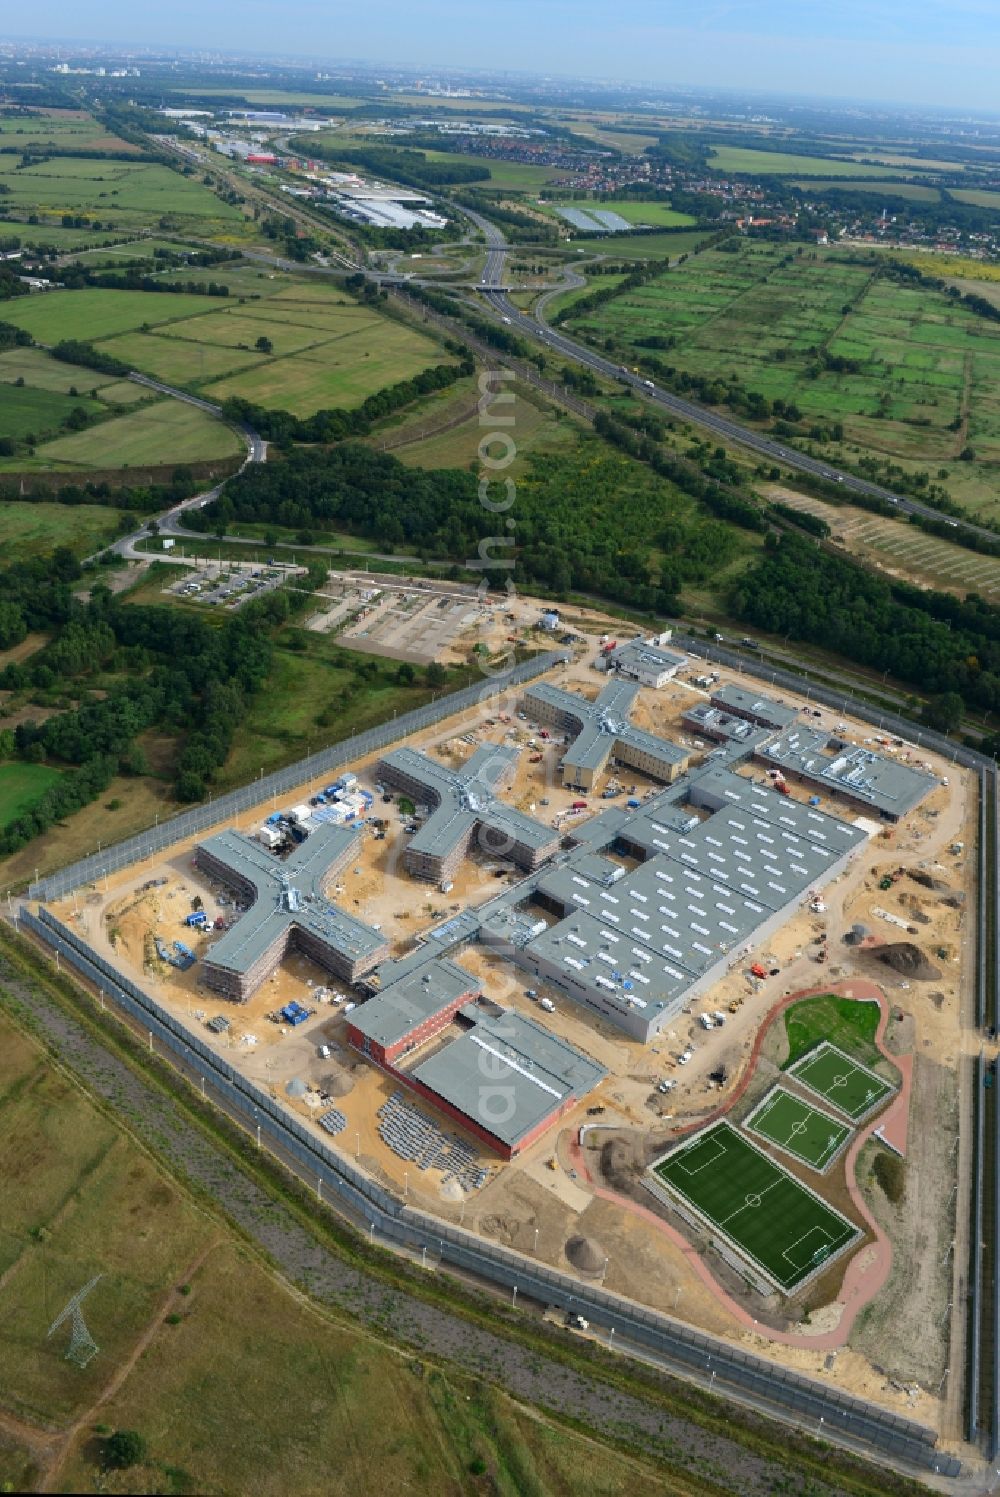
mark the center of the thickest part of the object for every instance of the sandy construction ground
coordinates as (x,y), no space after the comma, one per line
(542,1201)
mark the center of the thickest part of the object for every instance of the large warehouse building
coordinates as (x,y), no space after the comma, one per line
(863,778)
(288,911)
(499,1074)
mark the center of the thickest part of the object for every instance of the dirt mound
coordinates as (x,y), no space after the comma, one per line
(908,960)
(337,1084)
(586,1255)
(620,1165)
(928,881)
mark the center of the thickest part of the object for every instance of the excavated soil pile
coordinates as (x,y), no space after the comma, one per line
(928,881)
(620,1165)
(586,1255)
(337,1084)
(908,960)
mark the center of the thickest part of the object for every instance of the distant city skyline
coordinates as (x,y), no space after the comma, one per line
(942,53)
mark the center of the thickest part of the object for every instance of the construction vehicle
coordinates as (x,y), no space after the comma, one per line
(551,1164)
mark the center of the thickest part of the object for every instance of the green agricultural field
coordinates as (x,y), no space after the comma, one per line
(25,412)
(913,191)
(333,370)
(808,1134)
(165,431)
(125,193)
(910,376)
(54,236)
(177,360)
(69,129)
(94,314)
(743,159)
(28,529)
(619,247)
(766,1214)
(21,785)
(847,1085)
(983,199)
(515,176)
(40,370)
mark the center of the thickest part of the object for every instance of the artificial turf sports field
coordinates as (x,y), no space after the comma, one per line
(849,1087)
(767,1215)
(805,1132)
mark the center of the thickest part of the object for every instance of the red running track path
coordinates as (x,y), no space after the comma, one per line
(868,1270)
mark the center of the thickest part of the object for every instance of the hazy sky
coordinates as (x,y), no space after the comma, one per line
(917,51)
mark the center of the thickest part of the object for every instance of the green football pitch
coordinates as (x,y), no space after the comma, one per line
(848,1086)
(768,1216)
(805,1132)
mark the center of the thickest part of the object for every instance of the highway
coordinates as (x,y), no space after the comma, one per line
(495,295)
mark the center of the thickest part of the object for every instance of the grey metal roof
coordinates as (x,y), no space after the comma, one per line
(637,655)
(508,1074)
(288,894)
(466,796)
(418,994)
(885,784)
(604,724)
(713,722)
(704,889)
(769,712)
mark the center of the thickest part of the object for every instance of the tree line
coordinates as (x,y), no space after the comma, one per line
(933,641)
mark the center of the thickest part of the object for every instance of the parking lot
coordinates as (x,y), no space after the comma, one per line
(229,584)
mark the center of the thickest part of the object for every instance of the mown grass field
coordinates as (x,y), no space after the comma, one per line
(21,785)
(325,350)
(123,194)
(336,373)
(846,1023)
(915,192)
(165,431)
(28,529)
(923,384)
(41,372)
(26,411)
(782,163)
(94,314)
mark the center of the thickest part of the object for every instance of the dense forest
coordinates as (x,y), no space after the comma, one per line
(938,643)
(588,520)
